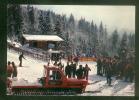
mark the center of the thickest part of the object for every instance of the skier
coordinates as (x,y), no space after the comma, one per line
(20,59)
(15,70)
(86,71)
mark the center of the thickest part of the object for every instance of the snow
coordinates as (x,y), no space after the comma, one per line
(33,69)
(15,44)
(43,37)
(23,82)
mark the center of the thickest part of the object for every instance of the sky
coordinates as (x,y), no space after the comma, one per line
(113,17)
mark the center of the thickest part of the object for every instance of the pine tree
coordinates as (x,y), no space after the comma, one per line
(101,31)
(14,20)
(123,47)
(58,27)
(93,34)
(10,20)
(105,42)
(115,38)
(131,46)
(67,44)
(42,24)
(31,18)
(131,42)
(101,37)
(64,23)
(81,25)
(47,23)
(71,23)
(96,42)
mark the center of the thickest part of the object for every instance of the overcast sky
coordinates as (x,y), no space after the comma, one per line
(115,17)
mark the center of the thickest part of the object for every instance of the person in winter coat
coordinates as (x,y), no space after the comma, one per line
(86,71)
(79,72)
(74,70)
(76,60)
(99,65)
(61,66)
(15,70)
(104,65)
(108,72)
(20,59)
(10,69)
(67,70)
(129,72)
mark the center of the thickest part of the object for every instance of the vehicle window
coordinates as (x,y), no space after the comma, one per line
(54,75)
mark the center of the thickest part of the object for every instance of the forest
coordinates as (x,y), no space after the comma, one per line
(81,37)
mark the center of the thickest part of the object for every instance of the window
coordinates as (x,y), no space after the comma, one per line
(54,75)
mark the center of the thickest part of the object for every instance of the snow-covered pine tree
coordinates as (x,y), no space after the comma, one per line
(101,37)
(93,35)
(30,12)
(41,23)
(115,39)
(15,20)
(64,23)
(67,44)
(57,28)
(81,24)
(123,47)
(105,42)
(96,43)
(71,23)
(10,20)
(131,40)
(47,23)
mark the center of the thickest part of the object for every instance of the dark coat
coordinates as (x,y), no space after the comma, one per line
(80,73)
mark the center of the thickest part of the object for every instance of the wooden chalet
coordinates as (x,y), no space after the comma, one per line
(44,42)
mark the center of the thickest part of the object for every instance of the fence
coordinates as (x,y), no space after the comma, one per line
(87,59)
(35,55)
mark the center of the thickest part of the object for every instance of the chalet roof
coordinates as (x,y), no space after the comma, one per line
(42,37)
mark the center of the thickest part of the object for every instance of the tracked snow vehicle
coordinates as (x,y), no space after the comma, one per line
(54,82)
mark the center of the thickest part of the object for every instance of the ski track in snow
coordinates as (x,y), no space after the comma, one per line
(33,69)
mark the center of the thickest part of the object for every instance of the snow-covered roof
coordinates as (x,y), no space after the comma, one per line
(53,51)
(42,37)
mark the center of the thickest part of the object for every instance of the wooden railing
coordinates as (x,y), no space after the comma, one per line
(35,55)
(87,59)
(40,55)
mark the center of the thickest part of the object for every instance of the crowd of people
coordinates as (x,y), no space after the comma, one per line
(11,70)
(106,66)
(71,70)
(122,69)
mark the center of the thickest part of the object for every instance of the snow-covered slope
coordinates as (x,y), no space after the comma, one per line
(33,69)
